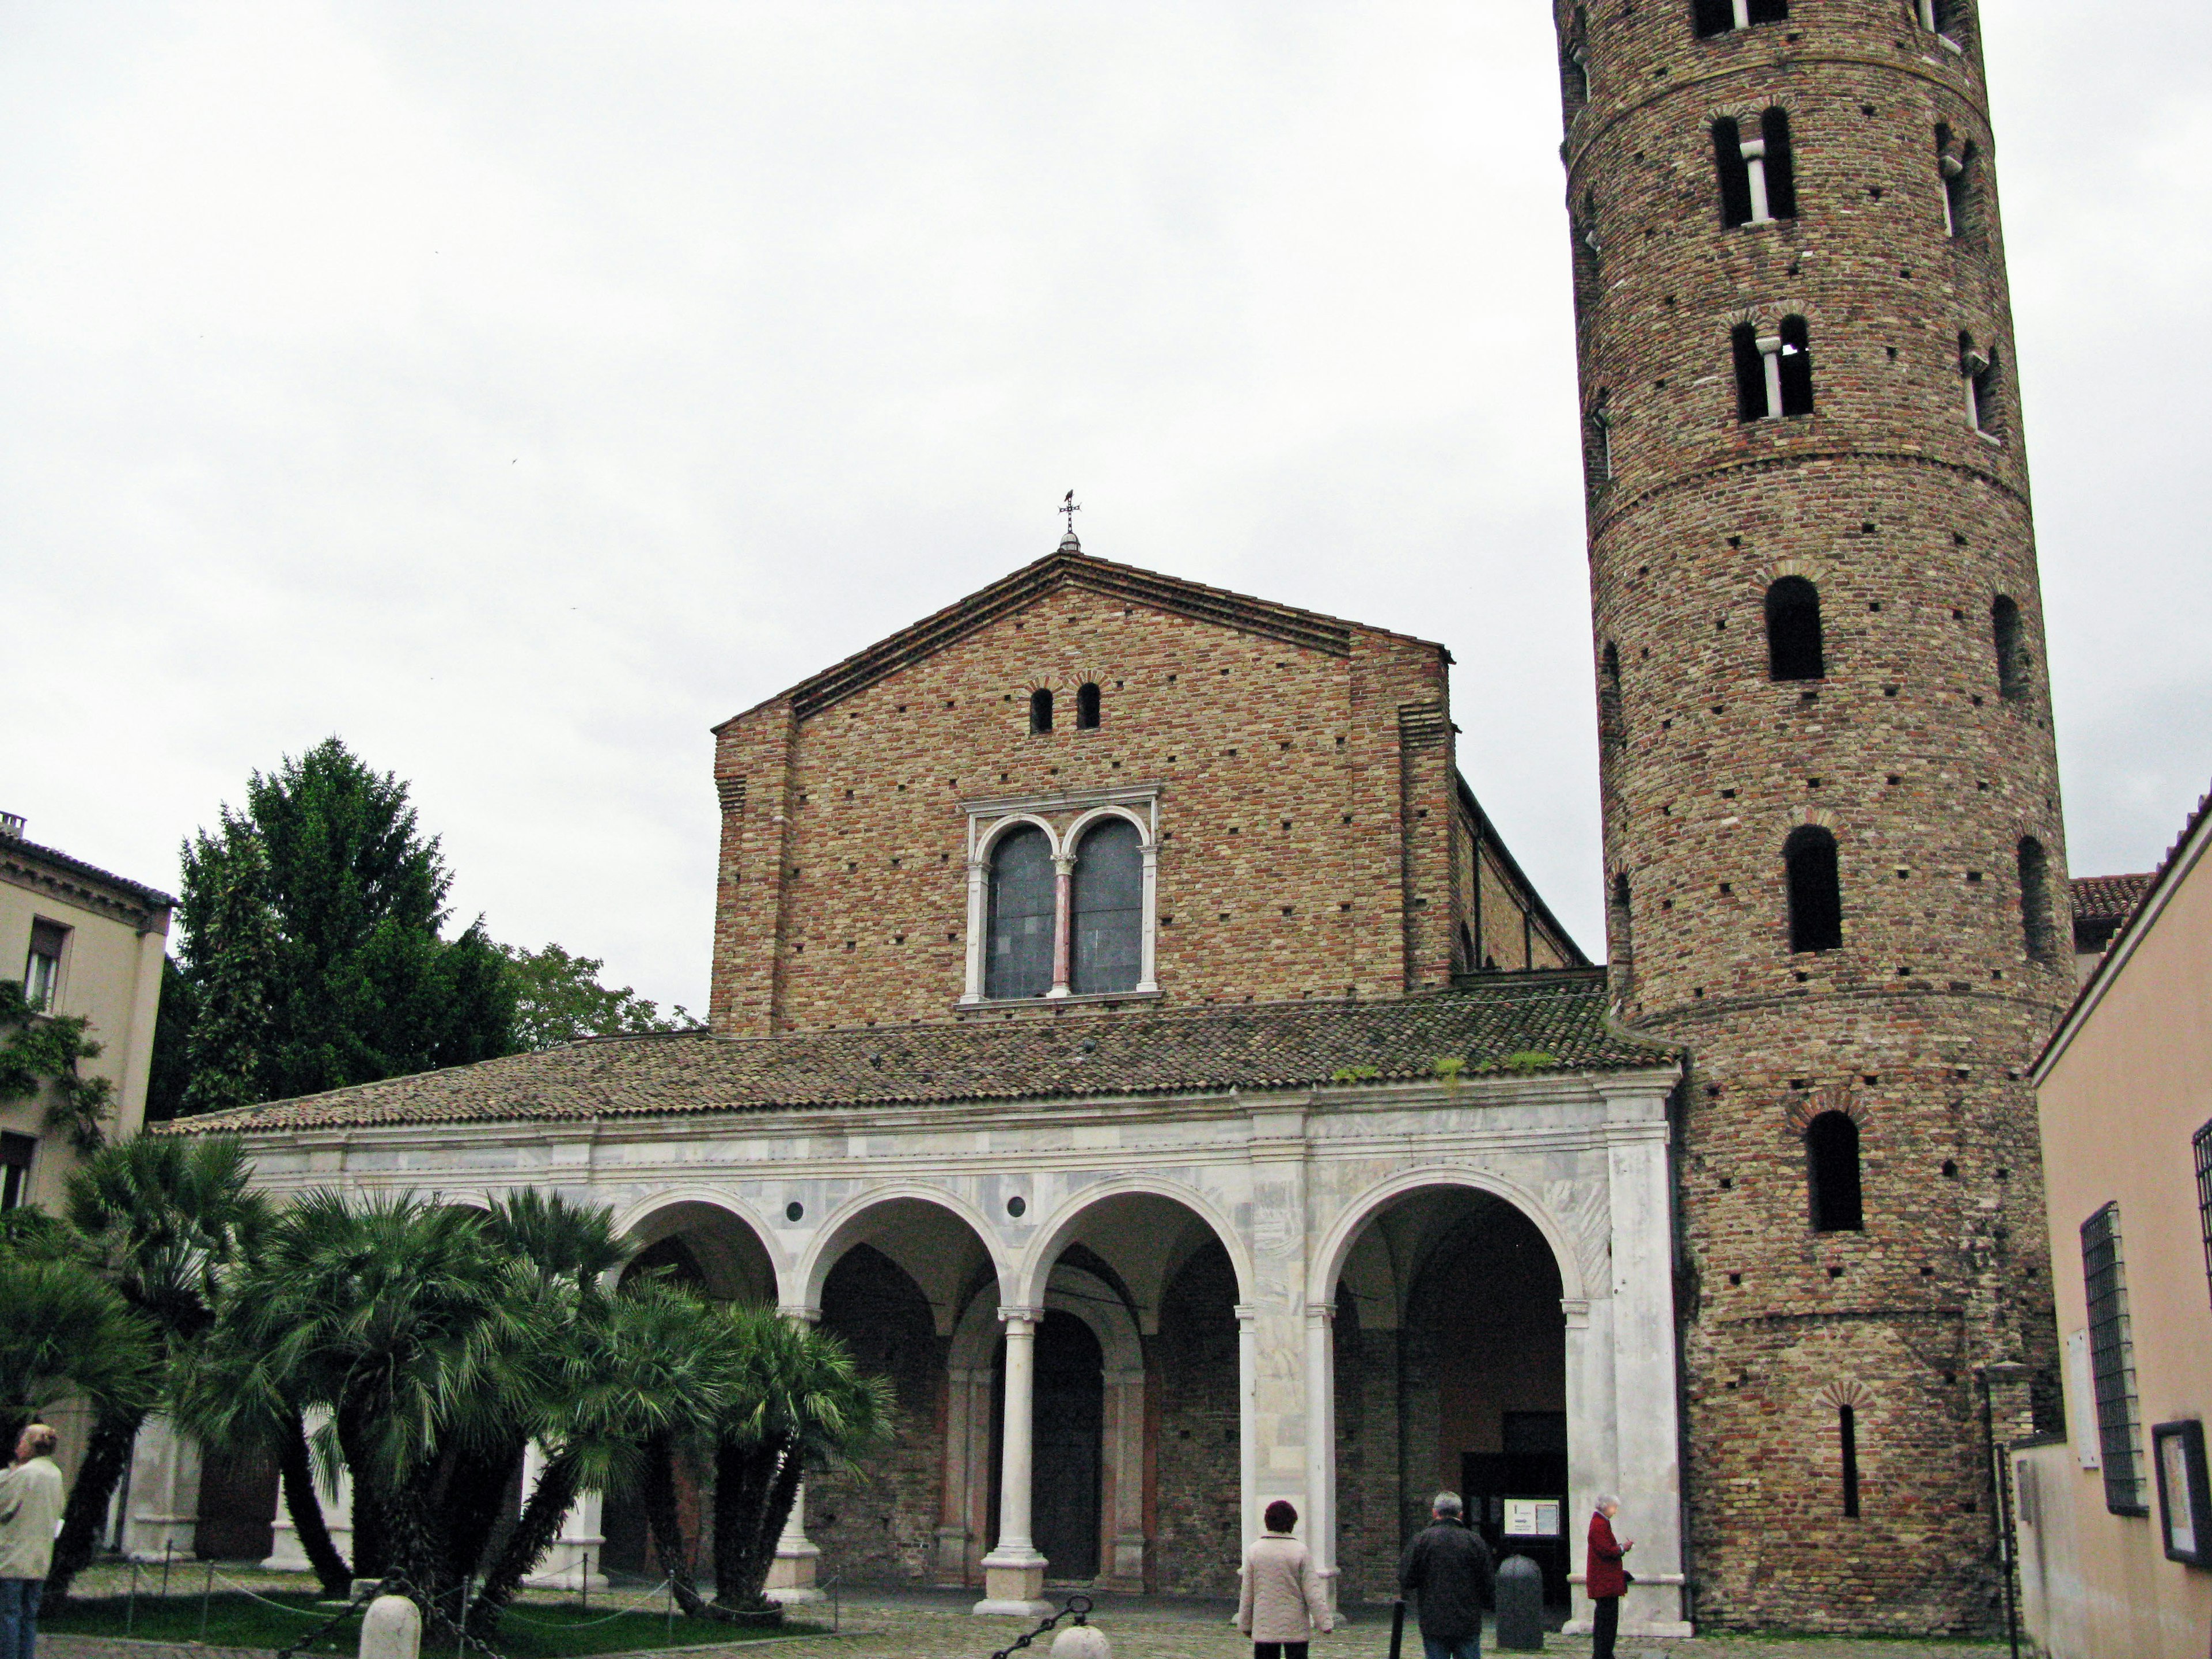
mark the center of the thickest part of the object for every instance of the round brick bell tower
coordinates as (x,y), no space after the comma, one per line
(1832,819)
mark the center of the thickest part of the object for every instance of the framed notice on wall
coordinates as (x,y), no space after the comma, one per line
(2185,1499)
(1533,1517)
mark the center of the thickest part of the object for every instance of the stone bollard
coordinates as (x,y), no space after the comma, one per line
(1520,1606)
(1082,1642)
(392,1629)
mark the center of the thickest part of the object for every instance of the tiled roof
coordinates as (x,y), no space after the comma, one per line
(2108,898)
(14,848)
(1543,1022)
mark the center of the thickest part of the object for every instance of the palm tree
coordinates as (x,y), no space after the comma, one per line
(162,1219)
(62,1332)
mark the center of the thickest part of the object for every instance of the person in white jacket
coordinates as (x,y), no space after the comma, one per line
(1283,1601)
(30,1514)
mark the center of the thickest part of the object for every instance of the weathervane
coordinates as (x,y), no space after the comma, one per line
(1071,508)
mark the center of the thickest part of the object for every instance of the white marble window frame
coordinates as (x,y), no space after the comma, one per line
(1063,818)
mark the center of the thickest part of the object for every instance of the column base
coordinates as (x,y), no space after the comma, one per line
(791,1575)
(1014,1588)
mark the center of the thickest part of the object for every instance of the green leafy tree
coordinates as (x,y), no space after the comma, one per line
(160,1220)
(170,1070)
(313,925)
(41,1052)
(558,999)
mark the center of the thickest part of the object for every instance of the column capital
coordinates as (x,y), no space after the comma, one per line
(799,1312)
(1321,1312)
(1247,1312)
(1009,1314)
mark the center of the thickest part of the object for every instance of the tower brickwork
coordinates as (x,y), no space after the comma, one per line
(1832,815)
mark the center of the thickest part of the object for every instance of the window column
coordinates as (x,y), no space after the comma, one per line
(1754,163)
(1063,922)
(1769,363)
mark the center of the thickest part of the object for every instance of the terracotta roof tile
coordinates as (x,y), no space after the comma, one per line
(1560,1016)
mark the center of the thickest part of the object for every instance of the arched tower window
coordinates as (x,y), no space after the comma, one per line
(2036,938)
(1957,166)
(1040,711)
(1017,962)
(1611,728)
(1816,900)
(1847,1436)
(1757,172)
(1086,705)
(2004,636)
(1713,17)
(1831,1173)
(1793,631)
(1601,441)
(1985,405)
(1773,372)
(1108,909)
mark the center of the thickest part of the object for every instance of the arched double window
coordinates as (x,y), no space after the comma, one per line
(1758,171)
(1816,901)
(1773,372)
(1108,909)
(1794,650)
(1831,1173)
(1713,17)
(1983,369)
(1017,956)
(1958,166)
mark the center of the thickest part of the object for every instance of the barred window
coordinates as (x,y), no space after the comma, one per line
(2112,1363)
(2203,1142)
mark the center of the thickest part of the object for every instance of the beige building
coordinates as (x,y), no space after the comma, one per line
(84,943)
(2115,1521)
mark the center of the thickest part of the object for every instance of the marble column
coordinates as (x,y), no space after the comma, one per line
(1013,1572)
(791,1575)
(164,1510)
(1125,1465)
(1321,1443)
(285,1554)
(1063,925)
(572,1562)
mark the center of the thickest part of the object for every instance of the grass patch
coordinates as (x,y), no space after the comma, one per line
(536,1631)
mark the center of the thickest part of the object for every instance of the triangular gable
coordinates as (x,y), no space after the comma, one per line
(1068,566)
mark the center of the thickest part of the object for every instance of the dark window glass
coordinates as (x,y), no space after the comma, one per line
(2112,1363)
(1847,1430)
(15,1154)
(1734,173)
(1086,706)
(1794,649)
(1040,711)
(42,966)
(2034,900)
(2004,632)
(1712,17)
(1781,164)
(1796,367)
(1020,960)
(1831,1166)
(1109,909)
(1750,373)
(1816,902)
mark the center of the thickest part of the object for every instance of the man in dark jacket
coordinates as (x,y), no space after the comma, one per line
(1447,1569)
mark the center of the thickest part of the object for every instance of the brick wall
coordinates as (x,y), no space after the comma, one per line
(1911,524)
(1198,1542)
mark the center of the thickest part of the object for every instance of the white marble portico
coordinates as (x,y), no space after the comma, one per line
(1288,1183)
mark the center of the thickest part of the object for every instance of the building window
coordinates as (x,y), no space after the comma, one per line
(1612,727)
(1713,17)
(2004,636)
(2202,1143)
(1574,64)
(1794,649)
(1981,371)
(1108,909)
(1831,1174)
(1816,903)
(1847,1434)
(1957,168)
(1040,712)
(1758,174)
(15,1154)
(1086,705)
(1944,18)
(2034,900)
(1018,958)
(1773,372)
(2112,1363)
(42,969)
(1601,441)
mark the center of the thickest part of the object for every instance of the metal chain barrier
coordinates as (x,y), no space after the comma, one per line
(1078,1608)
(513,1611)
(354,1606)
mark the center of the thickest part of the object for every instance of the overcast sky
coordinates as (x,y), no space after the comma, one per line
(516,389)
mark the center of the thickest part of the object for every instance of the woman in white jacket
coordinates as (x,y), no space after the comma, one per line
(1283,1601)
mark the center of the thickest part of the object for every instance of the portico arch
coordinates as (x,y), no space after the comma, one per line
(1352,1219)
(705,1238)
(933,1233)
(1104,1206)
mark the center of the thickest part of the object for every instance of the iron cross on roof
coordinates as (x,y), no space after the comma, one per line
(1070,507)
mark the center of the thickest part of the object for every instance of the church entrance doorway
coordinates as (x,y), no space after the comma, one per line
(1070,1418)
(1450,1353)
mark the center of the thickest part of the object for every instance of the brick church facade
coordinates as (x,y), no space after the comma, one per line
(1129,1033)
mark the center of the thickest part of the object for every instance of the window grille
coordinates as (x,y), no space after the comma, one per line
(2203,1144)
(2112,1363)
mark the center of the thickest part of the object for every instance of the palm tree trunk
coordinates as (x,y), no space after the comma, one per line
(107,1454)
(469,1508)
(296,1471)
(532,1535)
(659,1492)
(370,1502)
(754,1487)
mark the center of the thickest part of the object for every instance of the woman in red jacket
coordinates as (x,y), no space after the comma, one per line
(1604,1577)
